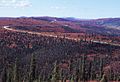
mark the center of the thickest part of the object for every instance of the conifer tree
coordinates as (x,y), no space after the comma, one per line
(83,68)
(104,78)
(4,75)
(39,79)
(4,71)
(118,78)
(9,76)
(78,70)
(89,70)
(72,79)
(55,73)
(101,67)
(32,74)
(110,74)
(15,72)
(61,75)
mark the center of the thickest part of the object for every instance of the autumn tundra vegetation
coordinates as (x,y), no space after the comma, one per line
(26,57)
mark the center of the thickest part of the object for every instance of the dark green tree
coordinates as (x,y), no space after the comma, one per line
(72,79)
(39,79)
(78,70)
(83,68)
(89,70)
(101,68)
(4,75)
(104,78)
(32,73)
(9,76)
(15,71)
(55,73)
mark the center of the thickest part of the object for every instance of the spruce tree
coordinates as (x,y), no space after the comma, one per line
(104,78)
(4,71)
(89,70)
(101,68)
(9,76)
(83,68)
(61,75)
(55,73)
(118,78)
(39,79)
(15,72)
(72,79)
(32,74)
(4,75)
(78,70)
(110,74)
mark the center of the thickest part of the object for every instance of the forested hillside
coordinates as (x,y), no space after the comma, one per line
(36,58)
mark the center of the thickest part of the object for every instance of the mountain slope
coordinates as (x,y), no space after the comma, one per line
(108,26)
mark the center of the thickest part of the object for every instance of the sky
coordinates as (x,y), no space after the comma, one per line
(84,9)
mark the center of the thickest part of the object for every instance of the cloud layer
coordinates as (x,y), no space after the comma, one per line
(15,3)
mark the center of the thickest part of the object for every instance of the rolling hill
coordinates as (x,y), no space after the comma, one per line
(107,26)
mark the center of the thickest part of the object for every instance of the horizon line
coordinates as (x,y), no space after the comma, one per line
(57,17)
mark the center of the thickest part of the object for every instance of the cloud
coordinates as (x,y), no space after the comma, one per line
(15,3)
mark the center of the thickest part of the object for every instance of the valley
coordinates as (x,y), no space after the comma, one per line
(48,49)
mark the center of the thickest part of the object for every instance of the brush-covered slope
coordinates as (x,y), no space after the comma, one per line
(108,26)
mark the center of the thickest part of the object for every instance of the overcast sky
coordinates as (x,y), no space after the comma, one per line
(85,9)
